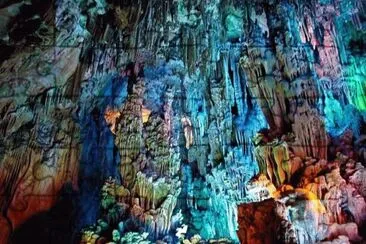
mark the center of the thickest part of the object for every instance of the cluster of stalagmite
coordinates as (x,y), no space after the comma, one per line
(145,166)
(129,138)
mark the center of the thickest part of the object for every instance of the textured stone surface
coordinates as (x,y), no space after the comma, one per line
(182,121)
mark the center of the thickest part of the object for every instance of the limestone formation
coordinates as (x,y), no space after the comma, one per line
(168,121)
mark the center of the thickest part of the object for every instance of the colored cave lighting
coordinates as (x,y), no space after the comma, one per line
(183,121)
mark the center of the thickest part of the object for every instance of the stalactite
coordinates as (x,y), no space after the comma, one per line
(186,116)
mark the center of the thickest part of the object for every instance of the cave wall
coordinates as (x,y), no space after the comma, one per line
(182,121)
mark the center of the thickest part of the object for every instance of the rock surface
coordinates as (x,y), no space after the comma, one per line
(182,121)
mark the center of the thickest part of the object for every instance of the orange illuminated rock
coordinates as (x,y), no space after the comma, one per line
(145,114)
(264,222)
(110,117)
